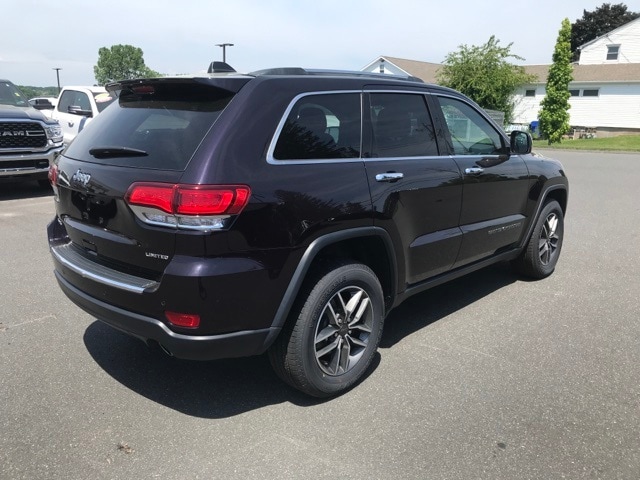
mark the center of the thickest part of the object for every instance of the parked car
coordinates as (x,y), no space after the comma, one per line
(77,106)
(43,103)
(29,141)
(289,211)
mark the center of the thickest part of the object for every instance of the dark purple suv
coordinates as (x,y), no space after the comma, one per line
(288,211)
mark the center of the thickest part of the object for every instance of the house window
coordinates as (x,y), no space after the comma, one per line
(612,52)
(530,93)
(574,93)
(590,92)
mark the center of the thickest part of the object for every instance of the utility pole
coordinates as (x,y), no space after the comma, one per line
(57,69)
(224,50)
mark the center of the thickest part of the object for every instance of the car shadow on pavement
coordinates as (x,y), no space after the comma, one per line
(225,388)
(19,190)
(428,307)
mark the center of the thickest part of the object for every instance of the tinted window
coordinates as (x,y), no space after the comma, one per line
(66,100)
(590,92)
(321,126)
(103,100)
(166,121)
(471,133)
(10,95)
(402,126)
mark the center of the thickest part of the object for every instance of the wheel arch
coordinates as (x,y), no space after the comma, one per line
(560,194)
(371,246)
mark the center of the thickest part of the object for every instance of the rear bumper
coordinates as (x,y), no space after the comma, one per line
(188,347)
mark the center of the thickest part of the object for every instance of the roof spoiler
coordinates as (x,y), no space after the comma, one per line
(220,67)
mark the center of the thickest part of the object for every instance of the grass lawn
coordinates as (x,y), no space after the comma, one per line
(623,143)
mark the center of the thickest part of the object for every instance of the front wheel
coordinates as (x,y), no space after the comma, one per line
(541,254)
(333,333)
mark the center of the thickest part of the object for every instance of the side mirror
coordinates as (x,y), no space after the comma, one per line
(521,142)
(76,110)
(43,105)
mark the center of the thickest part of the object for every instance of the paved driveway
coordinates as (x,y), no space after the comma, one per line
(489,377)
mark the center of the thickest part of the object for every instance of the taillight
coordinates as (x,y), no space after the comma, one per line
(185,320)
(53,174)
(196,207)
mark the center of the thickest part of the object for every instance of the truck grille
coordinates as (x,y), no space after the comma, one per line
(22,135)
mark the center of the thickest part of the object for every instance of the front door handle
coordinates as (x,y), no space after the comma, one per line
(473,171)
(389,177)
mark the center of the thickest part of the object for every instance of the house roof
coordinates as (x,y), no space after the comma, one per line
(424,70)
(602,73)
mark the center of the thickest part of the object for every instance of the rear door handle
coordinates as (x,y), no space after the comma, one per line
(473,171)
(389,177)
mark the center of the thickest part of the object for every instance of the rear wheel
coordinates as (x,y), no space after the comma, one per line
(333,332)
(543,250)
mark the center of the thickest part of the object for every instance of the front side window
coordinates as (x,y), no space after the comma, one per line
(530,93)
(402,126)
(471,133)
(325,126)
(612,52)
(73,98)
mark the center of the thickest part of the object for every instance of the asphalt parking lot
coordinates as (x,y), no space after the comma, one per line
(488,377)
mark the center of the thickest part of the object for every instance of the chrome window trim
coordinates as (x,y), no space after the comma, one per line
(274,140)
(272,145)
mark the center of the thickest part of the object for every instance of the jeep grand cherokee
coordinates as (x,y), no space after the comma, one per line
(288,211)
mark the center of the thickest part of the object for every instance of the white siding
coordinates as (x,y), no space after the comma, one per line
(617,106)
(388,68)
(627,36)
(525,108)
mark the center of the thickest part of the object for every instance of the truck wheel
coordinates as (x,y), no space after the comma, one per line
(333,332)
(539,258)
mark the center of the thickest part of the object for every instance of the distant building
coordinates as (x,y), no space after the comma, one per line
(605,91)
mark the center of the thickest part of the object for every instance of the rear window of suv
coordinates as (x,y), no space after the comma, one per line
(163,122)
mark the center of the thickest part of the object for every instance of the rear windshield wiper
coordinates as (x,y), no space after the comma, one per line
(114,152)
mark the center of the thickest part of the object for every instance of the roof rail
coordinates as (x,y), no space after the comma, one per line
(360,73)
(355,73)
(280,71)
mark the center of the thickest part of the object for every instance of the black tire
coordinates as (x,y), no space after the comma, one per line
(539,258)
(320,351)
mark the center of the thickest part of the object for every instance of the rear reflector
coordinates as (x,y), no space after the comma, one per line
(185,320)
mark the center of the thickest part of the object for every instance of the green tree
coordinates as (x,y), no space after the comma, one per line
(121,62)
(594,24)
(554,116)
(30,92)
(485,74)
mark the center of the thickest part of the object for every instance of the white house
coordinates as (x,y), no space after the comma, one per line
(605,91)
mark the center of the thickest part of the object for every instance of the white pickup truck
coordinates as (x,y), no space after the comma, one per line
(76,107)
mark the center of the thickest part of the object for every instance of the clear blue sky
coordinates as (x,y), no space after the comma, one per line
(180,36)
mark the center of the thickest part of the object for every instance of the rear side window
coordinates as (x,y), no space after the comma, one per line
(402,126)
(163,122)
(321,127)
